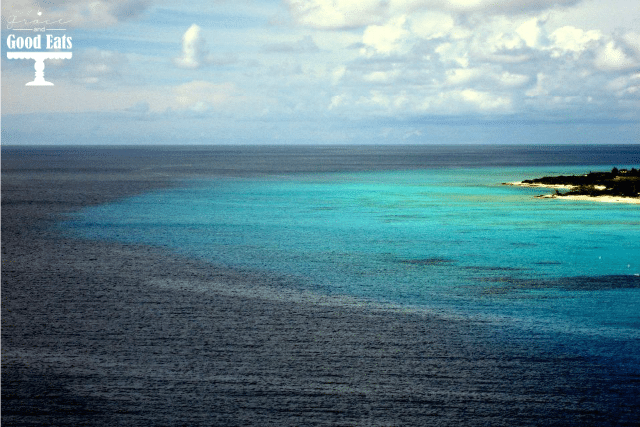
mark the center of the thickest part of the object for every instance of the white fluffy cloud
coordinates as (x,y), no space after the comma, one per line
(616,57)
(385,39)
(440,63)
(571,39)
(464,56)
(195,52)
(532,33)
(431,25)
(330,14)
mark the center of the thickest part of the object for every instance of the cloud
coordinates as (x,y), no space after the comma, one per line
(453,53)
(381,76)
(337,74)
(575,40)
(492,6)
(533,33)
(385,39)
(332,14)
(508,79)
(202,96)
(486,76)
(99,67)
(440,102)
(431,25)
(396,59)
(128,9)
(440,63)
(195,52)
(336,101)
(73,13)
(615,56)
(482,101)
(462,76)
(632,40)
(344,14)
(304,45)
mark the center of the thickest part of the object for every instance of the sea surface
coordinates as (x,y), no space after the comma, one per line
(428,228)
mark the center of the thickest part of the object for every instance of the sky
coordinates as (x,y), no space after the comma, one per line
(325,72)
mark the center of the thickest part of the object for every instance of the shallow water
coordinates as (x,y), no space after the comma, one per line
(448,239)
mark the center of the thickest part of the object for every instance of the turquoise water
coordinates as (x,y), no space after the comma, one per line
(452,240)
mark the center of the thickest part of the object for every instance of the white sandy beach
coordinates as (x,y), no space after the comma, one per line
(602,199)
(523,184)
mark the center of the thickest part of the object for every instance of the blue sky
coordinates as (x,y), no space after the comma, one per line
(329,72)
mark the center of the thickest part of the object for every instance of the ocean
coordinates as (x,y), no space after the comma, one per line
(428,228)
(316,285)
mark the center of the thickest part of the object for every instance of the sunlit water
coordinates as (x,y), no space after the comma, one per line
(445,239)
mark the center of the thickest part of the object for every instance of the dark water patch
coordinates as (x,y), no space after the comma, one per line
(503,285)
(35,202)
(580,283)
(428,261)
(523,244)
(600,283)
(65,169)
(42,397)
(491,268)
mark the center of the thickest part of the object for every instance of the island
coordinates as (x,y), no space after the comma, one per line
(617,186)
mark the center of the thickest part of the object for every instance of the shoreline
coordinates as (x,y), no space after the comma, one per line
(575,197)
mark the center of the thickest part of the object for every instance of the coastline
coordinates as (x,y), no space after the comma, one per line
(529,185)
(100,333)
(601,199)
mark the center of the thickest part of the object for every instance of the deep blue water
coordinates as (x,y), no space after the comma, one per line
(429,228)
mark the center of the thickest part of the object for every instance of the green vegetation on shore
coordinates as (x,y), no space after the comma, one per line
(620,183)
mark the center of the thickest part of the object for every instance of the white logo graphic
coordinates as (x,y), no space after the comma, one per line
(39,65)
(35,42)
